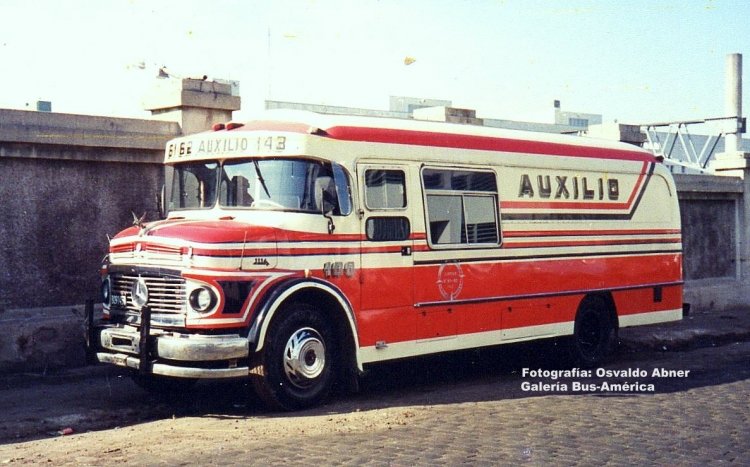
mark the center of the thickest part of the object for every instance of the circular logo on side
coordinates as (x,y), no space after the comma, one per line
(450,280)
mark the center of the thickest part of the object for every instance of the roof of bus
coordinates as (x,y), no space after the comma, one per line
(439,134)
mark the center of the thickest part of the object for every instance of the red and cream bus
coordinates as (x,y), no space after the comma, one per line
(302,247)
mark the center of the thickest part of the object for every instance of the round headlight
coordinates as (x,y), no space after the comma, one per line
(106,291)
(202,299)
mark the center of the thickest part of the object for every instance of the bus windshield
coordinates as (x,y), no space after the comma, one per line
(301,185)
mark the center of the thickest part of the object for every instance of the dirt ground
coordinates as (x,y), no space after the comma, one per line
(439,404)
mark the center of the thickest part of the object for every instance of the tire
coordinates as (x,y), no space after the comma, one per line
(296,367)
(593,334)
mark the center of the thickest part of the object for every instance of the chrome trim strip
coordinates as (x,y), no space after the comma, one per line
(504,298)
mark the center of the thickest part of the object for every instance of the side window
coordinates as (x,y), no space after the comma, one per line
(343,192)
(461,207)
(385,189)
(387,229)
(194,186)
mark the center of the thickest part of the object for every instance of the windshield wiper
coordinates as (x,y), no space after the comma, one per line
(260,177)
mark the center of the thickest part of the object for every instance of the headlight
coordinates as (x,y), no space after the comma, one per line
(202,299)
(106,291)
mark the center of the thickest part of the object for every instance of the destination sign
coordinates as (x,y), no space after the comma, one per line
(229,145)
(566,187)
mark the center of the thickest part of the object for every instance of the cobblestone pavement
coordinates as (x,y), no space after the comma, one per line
(436,411)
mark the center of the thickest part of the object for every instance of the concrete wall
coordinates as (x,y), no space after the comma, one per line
(75,180)
(712,237)
(68,181)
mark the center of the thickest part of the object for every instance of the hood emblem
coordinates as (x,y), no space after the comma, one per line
(139,293)
(138,221)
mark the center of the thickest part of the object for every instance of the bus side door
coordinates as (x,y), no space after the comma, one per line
(387,293)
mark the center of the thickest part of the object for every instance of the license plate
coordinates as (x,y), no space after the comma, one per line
(118,300)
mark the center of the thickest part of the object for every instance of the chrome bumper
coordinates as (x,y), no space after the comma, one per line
(120,346)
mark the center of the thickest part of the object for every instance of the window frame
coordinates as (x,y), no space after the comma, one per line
(373,167)
(462,194)
(178,178)
(342,183)
(374,219)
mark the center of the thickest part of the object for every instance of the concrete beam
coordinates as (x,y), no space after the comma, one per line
(27,127)
(705,186)
(73,153)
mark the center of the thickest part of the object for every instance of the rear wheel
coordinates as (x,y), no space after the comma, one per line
(594,332)
(295,368)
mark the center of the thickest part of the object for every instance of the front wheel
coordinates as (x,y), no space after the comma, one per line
(295,368)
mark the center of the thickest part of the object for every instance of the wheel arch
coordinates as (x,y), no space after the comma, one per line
(324,296)
(609,306)
(595,330)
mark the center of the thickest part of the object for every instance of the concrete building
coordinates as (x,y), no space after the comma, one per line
(575,119)
(407,105)
(443,110)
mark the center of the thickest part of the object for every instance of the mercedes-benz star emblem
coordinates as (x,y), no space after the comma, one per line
(139,293)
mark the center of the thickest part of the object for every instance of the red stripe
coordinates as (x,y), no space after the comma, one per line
(296,236)
(485,143)
(561,205)
(294,251)
(298,251)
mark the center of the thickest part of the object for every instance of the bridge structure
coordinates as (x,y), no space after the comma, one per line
(689,146)
(686,151)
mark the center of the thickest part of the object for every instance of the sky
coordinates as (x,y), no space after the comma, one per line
(633,61)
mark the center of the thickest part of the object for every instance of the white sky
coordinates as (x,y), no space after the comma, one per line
(636,61)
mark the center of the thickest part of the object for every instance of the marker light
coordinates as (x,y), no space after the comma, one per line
(233,125)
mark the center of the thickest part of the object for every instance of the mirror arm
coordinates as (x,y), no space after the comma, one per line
(328,215)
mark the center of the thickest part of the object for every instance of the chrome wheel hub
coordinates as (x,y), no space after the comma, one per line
(304,357)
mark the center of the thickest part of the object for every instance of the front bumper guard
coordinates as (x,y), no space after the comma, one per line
(163,352)
(129,361)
